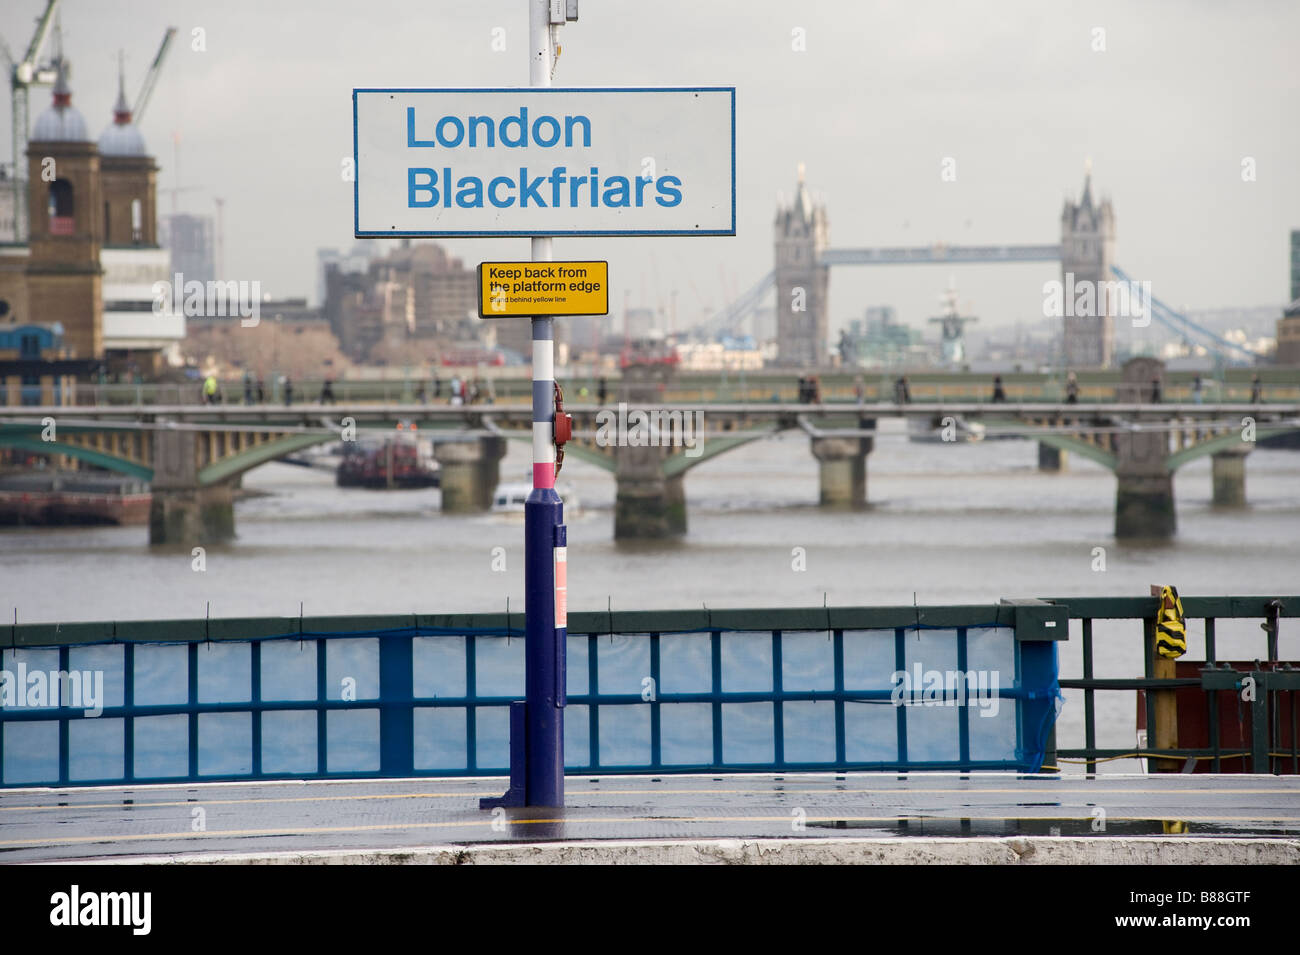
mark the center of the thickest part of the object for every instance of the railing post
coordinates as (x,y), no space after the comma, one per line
(1089,703)
(1162,705)
(1212,695)
(1259,735)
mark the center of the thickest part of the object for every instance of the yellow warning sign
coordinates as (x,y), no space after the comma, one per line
(513,289)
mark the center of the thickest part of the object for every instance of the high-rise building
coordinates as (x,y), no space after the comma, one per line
(1288,326)
(1295,264)
(640,323)
(400,306)
(189,238)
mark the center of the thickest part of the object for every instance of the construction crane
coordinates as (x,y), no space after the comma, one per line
(146,90)
(24,74)
(176,174)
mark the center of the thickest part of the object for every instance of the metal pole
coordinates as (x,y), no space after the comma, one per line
(544,541)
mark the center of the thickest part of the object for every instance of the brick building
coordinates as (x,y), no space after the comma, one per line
(91,258)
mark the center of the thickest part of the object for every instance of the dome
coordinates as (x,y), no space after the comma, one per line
(124,140)
(61,122)
(121,137)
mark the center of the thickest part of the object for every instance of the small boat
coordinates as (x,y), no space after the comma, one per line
(391,464)
(938,430)
(511,496)
(73,497)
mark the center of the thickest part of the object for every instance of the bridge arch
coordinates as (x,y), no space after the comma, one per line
(103,459)
(235,464)
(1225,442)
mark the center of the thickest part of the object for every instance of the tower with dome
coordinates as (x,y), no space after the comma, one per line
(91,256)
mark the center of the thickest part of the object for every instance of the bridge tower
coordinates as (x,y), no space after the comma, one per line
(802,281)
(1087,253)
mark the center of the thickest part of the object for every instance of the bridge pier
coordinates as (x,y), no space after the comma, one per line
(469,472)
(186,516)
(842,472)
(648,506)
(842,468)
(183,512)
(1144,493)
(1051,459)
(1144,506)
(1228,471)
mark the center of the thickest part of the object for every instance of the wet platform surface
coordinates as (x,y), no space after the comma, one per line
(96,823)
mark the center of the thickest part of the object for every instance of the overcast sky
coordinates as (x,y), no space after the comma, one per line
(1015,92)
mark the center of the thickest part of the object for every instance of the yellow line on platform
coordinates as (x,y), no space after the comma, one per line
(135,804)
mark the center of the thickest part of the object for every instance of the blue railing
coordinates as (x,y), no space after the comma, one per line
(952,688)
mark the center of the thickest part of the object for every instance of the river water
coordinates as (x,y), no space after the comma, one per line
(947,524)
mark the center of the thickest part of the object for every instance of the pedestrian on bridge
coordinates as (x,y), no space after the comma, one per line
(602,390)
(999,393)
(210,390)
(327,392)
(1155,391)
(902,391)
(1256,390)
(288,391)
(248,388)
(261,390)
(1071,389)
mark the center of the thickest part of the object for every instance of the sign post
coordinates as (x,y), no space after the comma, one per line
(538,161)
(545,539)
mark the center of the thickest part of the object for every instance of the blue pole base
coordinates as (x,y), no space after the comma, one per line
(543,651)
(537,723)
(517,794)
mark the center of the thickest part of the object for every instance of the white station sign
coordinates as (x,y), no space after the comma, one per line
(547,161)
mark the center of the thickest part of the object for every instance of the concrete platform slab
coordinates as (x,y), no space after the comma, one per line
(980,818)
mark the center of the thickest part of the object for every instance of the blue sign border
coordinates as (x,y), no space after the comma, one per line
(496,233)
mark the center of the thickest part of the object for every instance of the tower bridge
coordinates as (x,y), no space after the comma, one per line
(803,258)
